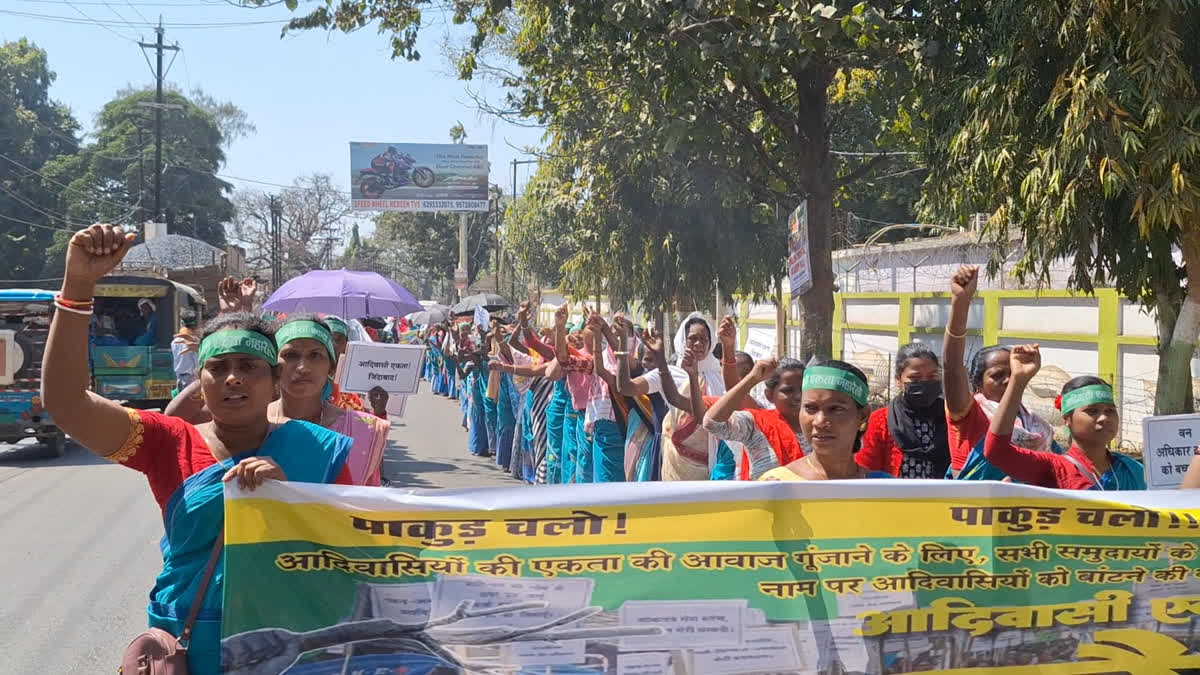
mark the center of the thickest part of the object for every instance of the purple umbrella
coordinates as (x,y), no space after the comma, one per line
(350,295)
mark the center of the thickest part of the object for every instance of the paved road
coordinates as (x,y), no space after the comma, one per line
(79,540)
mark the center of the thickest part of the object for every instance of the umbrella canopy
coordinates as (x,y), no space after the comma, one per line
(350,295)
(433,314)
(489,301)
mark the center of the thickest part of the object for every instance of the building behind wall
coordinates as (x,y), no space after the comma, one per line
(892,295)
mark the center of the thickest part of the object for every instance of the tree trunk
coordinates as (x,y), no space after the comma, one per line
(1178,331)
(816,305)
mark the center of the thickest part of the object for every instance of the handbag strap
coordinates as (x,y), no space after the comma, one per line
(1091,476)
(198,601)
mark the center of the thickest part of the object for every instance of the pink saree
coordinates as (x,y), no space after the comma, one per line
(369,434)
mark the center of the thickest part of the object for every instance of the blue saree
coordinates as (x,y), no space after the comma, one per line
(195,515)
(556,423)
(507,406)
(477,435)
(978,468)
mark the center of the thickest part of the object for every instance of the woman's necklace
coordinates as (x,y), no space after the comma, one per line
(813,467)
(809,458)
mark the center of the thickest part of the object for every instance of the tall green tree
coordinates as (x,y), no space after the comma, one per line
(869,116)
(1078,123)
(430,242)
(112,178)
(654,96)
(34,129)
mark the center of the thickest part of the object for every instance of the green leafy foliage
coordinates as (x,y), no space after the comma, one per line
(112,178)
(689,130)
(1078,124)
(33,130)
(430,242)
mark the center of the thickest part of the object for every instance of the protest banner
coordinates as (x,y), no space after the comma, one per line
(711,578)
(394,368)
(1170,443)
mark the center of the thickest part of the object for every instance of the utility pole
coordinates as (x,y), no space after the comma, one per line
(158,107)
(276,262)
(460,274)
(141,180)
(513,200)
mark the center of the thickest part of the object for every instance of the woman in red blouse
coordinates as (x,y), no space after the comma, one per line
(908,437)
(187,466)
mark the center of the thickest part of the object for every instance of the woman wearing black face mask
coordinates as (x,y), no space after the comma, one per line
(908,438)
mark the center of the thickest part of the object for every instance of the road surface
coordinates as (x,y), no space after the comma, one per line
(79,539)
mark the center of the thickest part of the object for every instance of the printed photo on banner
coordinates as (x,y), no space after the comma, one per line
(418,177)
(710,579)
(394,368)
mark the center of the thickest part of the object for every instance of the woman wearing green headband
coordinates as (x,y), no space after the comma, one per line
(833,410)
(238,379)
(307,357)
(1091,415)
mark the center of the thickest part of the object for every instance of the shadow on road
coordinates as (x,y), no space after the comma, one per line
(34,455)
(405,470)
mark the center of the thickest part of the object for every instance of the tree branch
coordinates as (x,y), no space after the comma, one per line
(863,170)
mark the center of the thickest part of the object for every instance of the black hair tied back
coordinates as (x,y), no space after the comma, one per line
(785,365)
(979,365)
(913,350)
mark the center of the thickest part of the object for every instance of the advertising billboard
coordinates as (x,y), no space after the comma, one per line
(418,177)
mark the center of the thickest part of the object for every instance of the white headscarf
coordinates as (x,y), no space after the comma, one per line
(709,367)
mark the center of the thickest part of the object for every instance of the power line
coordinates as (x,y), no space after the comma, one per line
(76,21)
(38,225)
(299,188)
(58,183)
(131,4)
(846,153)
(107,24)
(119,16)
(34,207)
(136,11)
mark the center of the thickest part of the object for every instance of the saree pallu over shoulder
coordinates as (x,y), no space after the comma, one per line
(369,436)
(642,459)
(688,451)
(195,515)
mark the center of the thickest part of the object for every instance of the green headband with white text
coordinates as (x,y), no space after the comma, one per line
(1085,396)
(338,326)
(238,341)
(310,330)
(836,379)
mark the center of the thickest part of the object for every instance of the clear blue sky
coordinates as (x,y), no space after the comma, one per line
(309,93)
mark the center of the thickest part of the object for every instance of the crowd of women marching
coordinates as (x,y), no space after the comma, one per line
(262,406)
(598,401)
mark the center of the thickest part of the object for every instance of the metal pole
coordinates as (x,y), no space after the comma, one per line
(158,106)
(781,330)
(462,250)
(158,98)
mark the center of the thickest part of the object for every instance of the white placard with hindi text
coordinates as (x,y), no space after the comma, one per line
(760,343)
(395,368)
(1170,443)
(684,623)
(764,649)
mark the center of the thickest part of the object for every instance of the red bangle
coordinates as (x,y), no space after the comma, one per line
(74,304)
